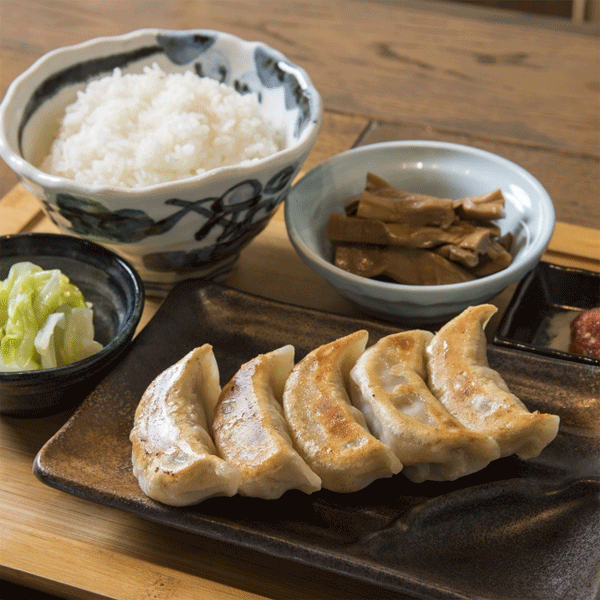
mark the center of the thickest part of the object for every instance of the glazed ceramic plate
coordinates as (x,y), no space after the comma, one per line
(514,530)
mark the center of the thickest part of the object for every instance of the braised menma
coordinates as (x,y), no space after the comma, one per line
(410,238)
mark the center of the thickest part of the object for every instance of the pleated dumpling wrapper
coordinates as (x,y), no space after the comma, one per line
(251,433)
(328,432)
(174,458)
(387,384)
(460,377)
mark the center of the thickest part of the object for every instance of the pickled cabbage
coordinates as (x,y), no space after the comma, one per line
(44,320)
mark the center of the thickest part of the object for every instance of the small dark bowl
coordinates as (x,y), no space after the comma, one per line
(545,302)
(117,294)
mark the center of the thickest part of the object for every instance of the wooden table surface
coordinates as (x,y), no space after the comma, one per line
(527,88)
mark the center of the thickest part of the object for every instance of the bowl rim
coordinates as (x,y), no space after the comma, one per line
(430,294)
(25,169)
(131,320)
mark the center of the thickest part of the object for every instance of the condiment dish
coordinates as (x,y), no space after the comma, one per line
(539,315)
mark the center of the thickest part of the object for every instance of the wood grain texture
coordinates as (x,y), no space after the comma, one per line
(389,60)
(93,551)
(525,88)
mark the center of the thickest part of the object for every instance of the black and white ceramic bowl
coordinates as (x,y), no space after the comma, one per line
(116,292)
(194,227)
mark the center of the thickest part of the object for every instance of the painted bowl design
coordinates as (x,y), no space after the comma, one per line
(193,227)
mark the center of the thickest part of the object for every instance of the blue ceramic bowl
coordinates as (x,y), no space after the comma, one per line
(434,168)
(194,227)
(117,294)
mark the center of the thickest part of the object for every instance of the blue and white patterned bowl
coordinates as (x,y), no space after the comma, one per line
(194,227)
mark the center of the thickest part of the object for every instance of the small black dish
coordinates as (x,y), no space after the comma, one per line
(116,291)
(542,308)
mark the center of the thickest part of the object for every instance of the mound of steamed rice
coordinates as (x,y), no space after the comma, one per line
(135,130)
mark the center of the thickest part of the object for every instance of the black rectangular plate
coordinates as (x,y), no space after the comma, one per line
(514,530)
(550,293)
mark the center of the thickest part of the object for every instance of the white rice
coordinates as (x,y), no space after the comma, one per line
(136,130)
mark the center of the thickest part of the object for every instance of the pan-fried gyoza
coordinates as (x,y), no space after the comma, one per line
(388,384)
(345,415)
(252,434)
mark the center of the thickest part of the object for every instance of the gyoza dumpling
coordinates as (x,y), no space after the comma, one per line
(460,377)
(250,431)
(387,384)
(174,458)
(328,432)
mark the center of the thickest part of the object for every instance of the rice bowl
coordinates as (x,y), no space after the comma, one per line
(193,226)
(139,129)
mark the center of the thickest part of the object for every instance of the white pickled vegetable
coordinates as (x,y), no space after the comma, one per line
(44,320)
